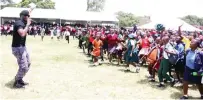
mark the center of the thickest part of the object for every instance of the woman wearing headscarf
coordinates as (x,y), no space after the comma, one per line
(193,69)
(131,55)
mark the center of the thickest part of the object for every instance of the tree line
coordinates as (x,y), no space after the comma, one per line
(125,19)
(45,4)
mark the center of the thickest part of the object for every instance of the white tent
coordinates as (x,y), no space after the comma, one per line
(58,14)
(36,13)
(170,23)
(89,16)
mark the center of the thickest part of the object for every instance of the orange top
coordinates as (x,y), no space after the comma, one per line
(97,45)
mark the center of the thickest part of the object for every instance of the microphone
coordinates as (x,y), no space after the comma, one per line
(32,7)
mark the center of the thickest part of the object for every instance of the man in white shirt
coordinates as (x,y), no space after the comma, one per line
(52,33)
(5,29)
(67,34)
(11,29)
(35,30)
(58,33)
(42,33)
(167,48)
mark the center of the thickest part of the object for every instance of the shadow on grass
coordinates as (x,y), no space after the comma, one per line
(178,95)
(193,87)
(103,64)
(88,61)
(195,98)
(126,71)
(152,84)
(10,84)
(91,65)
(81,52)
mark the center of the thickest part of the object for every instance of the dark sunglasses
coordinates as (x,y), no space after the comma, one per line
(27,15)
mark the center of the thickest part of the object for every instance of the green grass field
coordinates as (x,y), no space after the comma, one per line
(60,71)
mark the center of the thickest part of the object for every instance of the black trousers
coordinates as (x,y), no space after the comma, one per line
(67,38)
(89,48)
(80,43)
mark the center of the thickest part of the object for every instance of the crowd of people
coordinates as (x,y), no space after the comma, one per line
(160,50)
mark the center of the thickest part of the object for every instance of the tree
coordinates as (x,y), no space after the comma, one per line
(8,5)
(193,20)
(95,5)
(45,4)
(126,19)
(7,1)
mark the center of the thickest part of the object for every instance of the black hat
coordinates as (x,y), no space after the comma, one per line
(24,13)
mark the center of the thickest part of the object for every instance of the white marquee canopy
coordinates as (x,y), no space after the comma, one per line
(13,12)
(170,24)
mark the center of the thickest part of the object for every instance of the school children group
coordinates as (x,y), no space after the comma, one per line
(160,50)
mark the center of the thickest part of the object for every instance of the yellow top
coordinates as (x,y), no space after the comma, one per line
(187,42)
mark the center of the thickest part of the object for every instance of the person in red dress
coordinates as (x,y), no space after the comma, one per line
(145,45)
(112,43)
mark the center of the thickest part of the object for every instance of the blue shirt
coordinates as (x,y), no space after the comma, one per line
(180,48)
(190,59)
(201,45)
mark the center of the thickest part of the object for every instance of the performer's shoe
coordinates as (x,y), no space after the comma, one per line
(161,85)
(17,84)
(23,83)
(183,98)
(29,64)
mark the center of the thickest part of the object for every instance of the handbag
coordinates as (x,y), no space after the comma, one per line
(173,58)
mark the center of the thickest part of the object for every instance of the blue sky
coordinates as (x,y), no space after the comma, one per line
(175,8)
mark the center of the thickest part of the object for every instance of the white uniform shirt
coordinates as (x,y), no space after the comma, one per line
(169,48)
(11,28)
(58,32)
(67,33)
(52,33)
